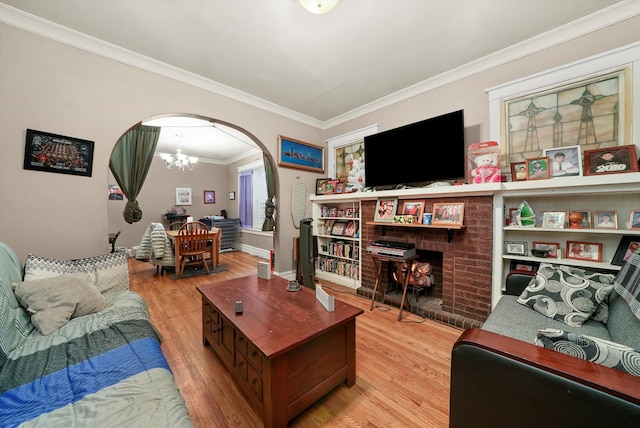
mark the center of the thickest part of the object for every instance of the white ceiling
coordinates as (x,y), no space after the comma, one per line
(319,68)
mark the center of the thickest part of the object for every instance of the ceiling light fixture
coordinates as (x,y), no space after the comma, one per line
(319,6)
(179,161)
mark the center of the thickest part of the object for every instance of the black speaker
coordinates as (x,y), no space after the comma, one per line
(306,253)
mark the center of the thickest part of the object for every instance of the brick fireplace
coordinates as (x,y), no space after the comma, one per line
(465,287)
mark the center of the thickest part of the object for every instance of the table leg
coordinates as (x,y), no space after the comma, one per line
(378,269)
(405,285)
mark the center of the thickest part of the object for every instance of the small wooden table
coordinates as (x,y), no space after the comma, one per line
(377,262)
(285,350)
(215,245)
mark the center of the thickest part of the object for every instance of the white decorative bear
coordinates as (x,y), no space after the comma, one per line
(487,169)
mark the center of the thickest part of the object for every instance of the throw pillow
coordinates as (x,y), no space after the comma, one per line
(594,349)
(566,293)
(52,302)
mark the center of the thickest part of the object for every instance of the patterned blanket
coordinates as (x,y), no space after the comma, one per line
(627,283)
(101,370)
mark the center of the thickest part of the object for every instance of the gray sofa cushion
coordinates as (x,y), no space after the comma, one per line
(623,325)
(515,320)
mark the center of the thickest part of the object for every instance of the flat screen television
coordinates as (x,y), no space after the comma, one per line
(416,154)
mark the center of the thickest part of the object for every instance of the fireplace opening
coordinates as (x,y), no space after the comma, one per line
(419,297)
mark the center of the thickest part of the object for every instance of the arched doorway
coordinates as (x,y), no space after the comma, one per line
(200,137)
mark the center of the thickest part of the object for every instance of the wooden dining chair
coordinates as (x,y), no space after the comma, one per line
(192,241)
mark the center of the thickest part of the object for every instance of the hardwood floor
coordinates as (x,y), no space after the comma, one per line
(402,367)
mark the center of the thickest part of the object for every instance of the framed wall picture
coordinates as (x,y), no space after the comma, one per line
(565,161)
(183,196)
(232,196)
(297,154)
(516,248)
(584,251)
(518,171)
(634,220)
(48,152)
(605,219)
(386,209)
(551,247)
(627,246)
(209,197)
(612,160)
(554,219)
(538,168)
(448,214)
(413,207)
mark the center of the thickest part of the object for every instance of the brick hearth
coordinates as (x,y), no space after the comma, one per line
(466,262)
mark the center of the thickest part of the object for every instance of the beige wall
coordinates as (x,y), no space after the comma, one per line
(52,87)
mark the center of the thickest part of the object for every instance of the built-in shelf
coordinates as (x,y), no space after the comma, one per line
(449,228)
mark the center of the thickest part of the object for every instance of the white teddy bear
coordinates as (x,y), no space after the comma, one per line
(487,169)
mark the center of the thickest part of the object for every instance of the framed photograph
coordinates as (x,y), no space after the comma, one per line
(634,219)
(627,246)
(413,208)
(209,197)
(554,219)
(538,168)
(56,153)
(612,160)
(115,193)
(350,230)
(297,154)
(386,209)
(584,251)
(330,186)
(448,214)
(516,248)
(565,161)
(518,171)
(551,247)
(524,265)
(605,219)
(585,223)
(321,186)
(232,196)
(338,228)
(513,216)
(339,187)
(183,196)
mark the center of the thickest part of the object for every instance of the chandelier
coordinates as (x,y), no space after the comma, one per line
(179,160)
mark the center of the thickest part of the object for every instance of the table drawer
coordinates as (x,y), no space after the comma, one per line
(255,357)
(241,343)
(241,366)
(254,379)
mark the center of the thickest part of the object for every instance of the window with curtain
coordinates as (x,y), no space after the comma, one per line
(252,194)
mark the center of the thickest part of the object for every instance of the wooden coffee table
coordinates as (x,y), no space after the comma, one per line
(285,350)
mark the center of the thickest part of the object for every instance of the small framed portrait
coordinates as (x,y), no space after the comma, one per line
(634,220)
(414,208)
(612,160)
(338,228)
(339,187)
(584,251)
(627,246)
(386,209)
(448,213)
(551,247)
(584,223)
(564,161)
(512,219)
(538,168)
(321,186)
(605,219)
(518,171)
(516,248)
(351,229)
(524,265)
(554,219)
(209,197)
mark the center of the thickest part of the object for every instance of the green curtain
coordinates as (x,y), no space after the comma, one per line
(130,163)
(270,207)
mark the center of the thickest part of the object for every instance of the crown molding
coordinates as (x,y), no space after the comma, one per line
(604,18)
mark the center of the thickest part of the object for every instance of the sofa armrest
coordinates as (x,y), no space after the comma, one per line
(500,381)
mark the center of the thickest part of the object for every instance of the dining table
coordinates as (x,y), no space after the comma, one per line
(215,244)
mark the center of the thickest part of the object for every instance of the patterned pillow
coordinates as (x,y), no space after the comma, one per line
(566,293)
(110,271)
(596,350)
